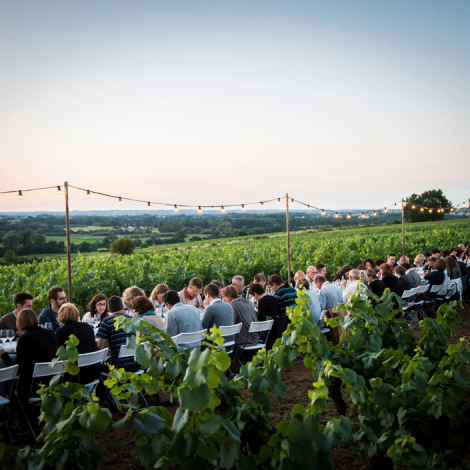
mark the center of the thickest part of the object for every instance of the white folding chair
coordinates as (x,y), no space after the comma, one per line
(419,301)
(41,370)
(89,359)
(7,374)
(228,331)
(324,329)
(407,297)
(256,327)
(429,300)
(188,338)
(176,339)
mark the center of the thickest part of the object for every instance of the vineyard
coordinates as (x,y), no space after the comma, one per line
(176,267)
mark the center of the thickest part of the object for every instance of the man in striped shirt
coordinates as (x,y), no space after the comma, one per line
(115,338)
(283,292)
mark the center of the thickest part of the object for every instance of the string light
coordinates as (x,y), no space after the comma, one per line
(430,210)
(199,210)
(322,212)
(148,205)
(278,200)
(310,207)
(88,194)
(385,210)
(375,214)
(120,201)
(262,204)
(413,206)
(349,215)
(458,207)
(59,190)
(422,210)
(223,208)
(175,208)
(20,194)
(243,207)
(396,205)
(363,216)
(292,201)
(451,209)
(336,215)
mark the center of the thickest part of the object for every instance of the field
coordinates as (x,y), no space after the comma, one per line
(175,267)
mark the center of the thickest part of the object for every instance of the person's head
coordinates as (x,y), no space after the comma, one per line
(22,300)
(440,265)
(195,286)
(57,297)
(436,253)
(68,313)
(321,269)
(361,267)
(391,259)
(451,263)
(445,253)
(298,276)
(26,319)
(344,271)
(458,252)
(379,262)
(275,282)
(312,272)
(404,259)
(406,266)
(426,254)
(420,259)
(130,294)
(141,305)
(158,291)
(256,291)
(432,261)
(98,304)
(400,270)
(319,281)
(260,278)
(371,275)
(461,246)
(229,294)
(304,284)
(386,270)
(211,292)
(369,263)
(170,298)
(238,282)
(115,304)
(453,252)
(220,285)
(354,275)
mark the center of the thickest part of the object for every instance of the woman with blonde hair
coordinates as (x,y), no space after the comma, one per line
(129,295)
(157,295)
(419,261)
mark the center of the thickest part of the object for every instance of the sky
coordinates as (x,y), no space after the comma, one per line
(340,104)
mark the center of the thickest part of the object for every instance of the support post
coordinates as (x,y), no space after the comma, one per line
(468,222)
(403,225)
(288,238)
(67,230)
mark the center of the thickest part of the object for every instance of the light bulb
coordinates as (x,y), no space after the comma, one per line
(336,215)
(148,205)
(349,216)
(20,194)
(88,194)
(223,208)
(375,214)
(199,209)
(310,207)
(413,206)
(59,190)
(385,210)
(243,207)
(422,210)
(262,203)
(322,212)
(278,200)
(120,201)
(176,208)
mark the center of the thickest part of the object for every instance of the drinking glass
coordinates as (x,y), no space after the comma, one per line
(4,336)
(48,325)
(10,335)
(96,319)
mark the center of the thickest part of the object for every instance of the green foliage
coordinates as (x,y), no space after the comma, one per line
(433,199)
(122,246)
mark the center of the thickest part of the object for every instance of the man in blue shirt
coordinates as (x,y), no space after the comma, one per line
(57,298)
(21,300)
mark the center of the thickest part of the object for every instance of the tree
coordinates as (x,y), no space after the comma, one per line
(122,246)
(9,257)
(433,199)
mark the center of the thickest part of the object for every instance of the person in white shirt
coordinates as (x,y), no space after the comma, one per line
(354,277)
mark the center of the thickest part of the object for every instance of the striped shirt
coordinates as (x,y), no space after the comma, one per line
(116,338)
(286,296)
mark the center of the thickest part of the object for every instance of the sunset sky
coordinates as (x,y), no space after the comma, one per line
(340,104)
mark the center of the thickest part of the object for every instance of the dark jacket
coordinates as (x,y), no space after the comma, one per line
(48,315)
(377,287)
(8,322)
(406,283)
(435,277)
(392,283)
(35,345)
(268,306)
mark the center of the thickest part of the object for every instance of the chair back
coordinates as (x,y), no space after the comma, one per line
(97,357)
(435,288)
(230,330)
(185,338)
(8,373)
(408,293)
(257,326)
(126,352)
(176,339)
(44,369)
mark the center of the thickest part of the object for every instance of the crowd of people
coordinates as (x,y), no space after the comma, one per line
(197,307)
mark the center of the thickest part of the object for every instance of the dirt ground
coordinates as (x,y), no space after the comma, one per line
(119,450)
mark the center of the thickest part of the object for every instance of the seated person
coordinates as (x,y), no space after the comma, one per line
(283,292)
(192,294)
(129,295)
(144,309)
(35,344)
(315,307)
(181,318)
(259,278)
(57,298)
(21,300)
(98,306)
(419,261)
(217,312)
(404,281)
(115,338)
(389,279)
(369,263)
(268,305)
(376,286)
(343,273)
(69,317)
(157,295)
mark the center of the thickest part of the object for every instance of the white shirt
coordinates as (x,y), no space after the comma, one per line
(351,290)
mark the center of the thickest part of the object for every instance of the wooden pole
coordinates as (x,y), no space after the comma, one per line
(468,222)
(288,238)
(403,225)
(67,229)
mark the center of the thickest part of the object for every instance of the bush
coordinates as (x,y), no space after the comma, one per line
(122,246)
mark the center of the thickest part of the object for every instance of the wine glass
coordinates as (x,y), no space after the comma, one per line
(96,319)
(4,336)
(48,325)
(10,335)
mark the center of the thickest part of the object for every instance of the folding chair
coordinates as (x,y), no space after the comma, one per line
(430,298)
(227,331)
(406,297)
(188,338)
(41,371)
(89,359)
(256,327)
(419,302)
(7,374)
